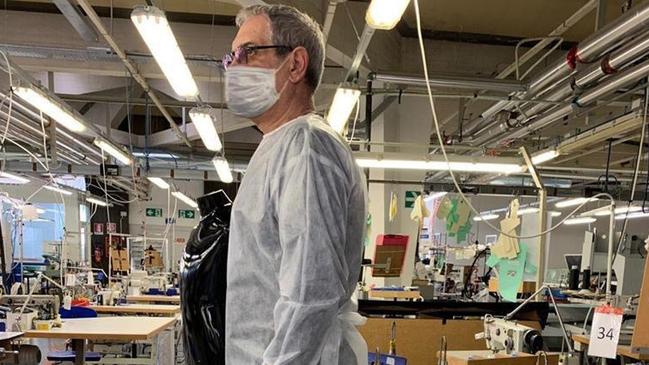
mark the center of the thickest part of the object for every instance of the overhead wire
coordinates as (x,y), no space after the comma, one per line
(443,148)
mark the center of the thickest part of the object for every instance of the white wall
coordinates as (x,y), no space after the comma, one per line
(178,233)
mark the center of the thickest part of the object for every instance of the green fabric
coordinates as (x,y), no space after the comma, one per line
(510,272)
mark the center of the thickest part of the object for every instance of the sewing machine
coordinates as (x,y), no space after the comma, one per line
(40,307)
(510,336)
(140,282)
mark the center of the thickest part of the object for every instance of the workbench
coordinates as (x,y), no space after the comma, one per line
(621,350)
(166,310)
(487,357)
(396,294)
(107,328)
(175,299)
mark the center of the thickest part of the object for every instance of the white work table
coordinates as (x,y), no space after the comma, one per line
(143,309)
(153,299)
(104,328)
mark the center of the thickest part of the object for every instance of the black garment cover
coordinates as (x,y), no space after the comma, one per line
(203,282)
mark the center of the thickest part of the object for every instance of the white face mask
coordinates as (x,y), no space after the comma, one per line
(250,91)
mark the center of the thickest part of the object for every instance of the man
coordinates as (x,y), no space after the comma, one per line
(299,216)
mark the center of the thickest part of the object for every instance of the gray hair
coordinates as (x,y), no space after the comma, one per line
(293,28)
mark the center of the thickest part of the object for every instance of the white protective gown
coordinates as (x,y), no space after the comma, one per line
(296,241)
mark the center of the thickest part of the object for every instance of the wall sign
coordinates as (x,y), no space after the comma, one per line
(411,196)
(186,213)
(153,212)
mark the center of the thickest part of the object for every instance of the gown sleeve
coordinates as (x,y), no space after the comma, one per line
(311,207)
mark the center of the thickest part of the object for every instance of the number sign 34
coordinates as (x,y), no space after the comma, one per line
(605,332)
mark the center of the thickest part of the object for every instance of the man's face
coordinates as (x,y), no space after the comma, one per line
(256,31)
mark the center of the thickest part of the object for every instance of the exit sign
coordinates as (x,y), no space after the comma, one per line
(411,196)
(153,212)
(186,213)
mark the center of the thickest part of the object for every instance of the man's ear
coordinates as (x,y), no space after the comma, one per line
(298,64)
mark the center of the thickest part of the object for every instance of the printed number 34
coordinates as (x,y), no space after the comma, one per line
(603,333)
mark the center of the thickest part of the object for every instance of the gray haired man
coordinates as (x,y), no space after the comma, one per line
(299,216)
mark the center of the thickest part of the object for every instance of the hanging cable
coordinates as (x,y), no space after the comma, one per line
(443,148)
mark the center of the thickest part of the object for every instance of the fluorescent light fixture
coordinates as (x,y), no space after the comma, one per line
(154,28)
(632,216)
(203,119)
(159,182)
(579,220)
(223,169)
(385,14)
(341,108)
(573,202)
(439,165)
(40,211)
(530,210)
(57,189)
(485,217)
(101,203)
(155,155)
(52,108)
(544,156)
(604,211)
(554,213)
(16,178)
(187,200)
(114,151)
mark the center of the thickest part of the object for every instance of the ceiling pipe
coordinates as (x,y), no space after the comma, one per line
(611,64)
(607,87)
(94,18)
(587,50)
(454,82)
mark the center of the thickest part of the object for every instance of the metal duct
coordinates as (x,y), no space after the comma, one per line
(607,87)
(585,51)
(454,82)
(585,78)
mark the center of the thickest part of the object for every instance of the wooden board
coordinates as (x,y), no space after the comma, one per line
(154,298)
(487,357)
(395,294)
(621,350)
(107,328)
(418,340)
(137,309)
(640,340)
(527,287)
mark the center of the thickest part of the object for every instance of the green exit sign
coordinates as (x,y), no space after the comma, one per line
(186,213)
(411,196)
(153,212)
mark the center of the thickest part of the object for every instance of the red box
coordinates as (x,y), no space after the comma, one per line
(391,240)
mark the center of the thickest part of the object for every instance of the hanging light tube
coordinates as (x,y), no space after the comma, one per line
(544,156)
(96,201)
(154,28)
(530,210)
(385,14)
(579,220)
(342,106)
(604,211)
(187,200)
(485,217)
(52,108)
(159,182)
(204,119)
(573,202)
(488,167)
(57,189)
(632,216)
(223,169)
(16,178)
(114,151)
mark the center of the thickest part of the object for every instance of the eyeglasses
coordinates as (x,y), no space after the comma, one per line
(241,54)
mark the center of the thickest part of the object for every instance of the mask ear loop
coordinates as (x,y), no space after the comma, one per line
(281,90)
